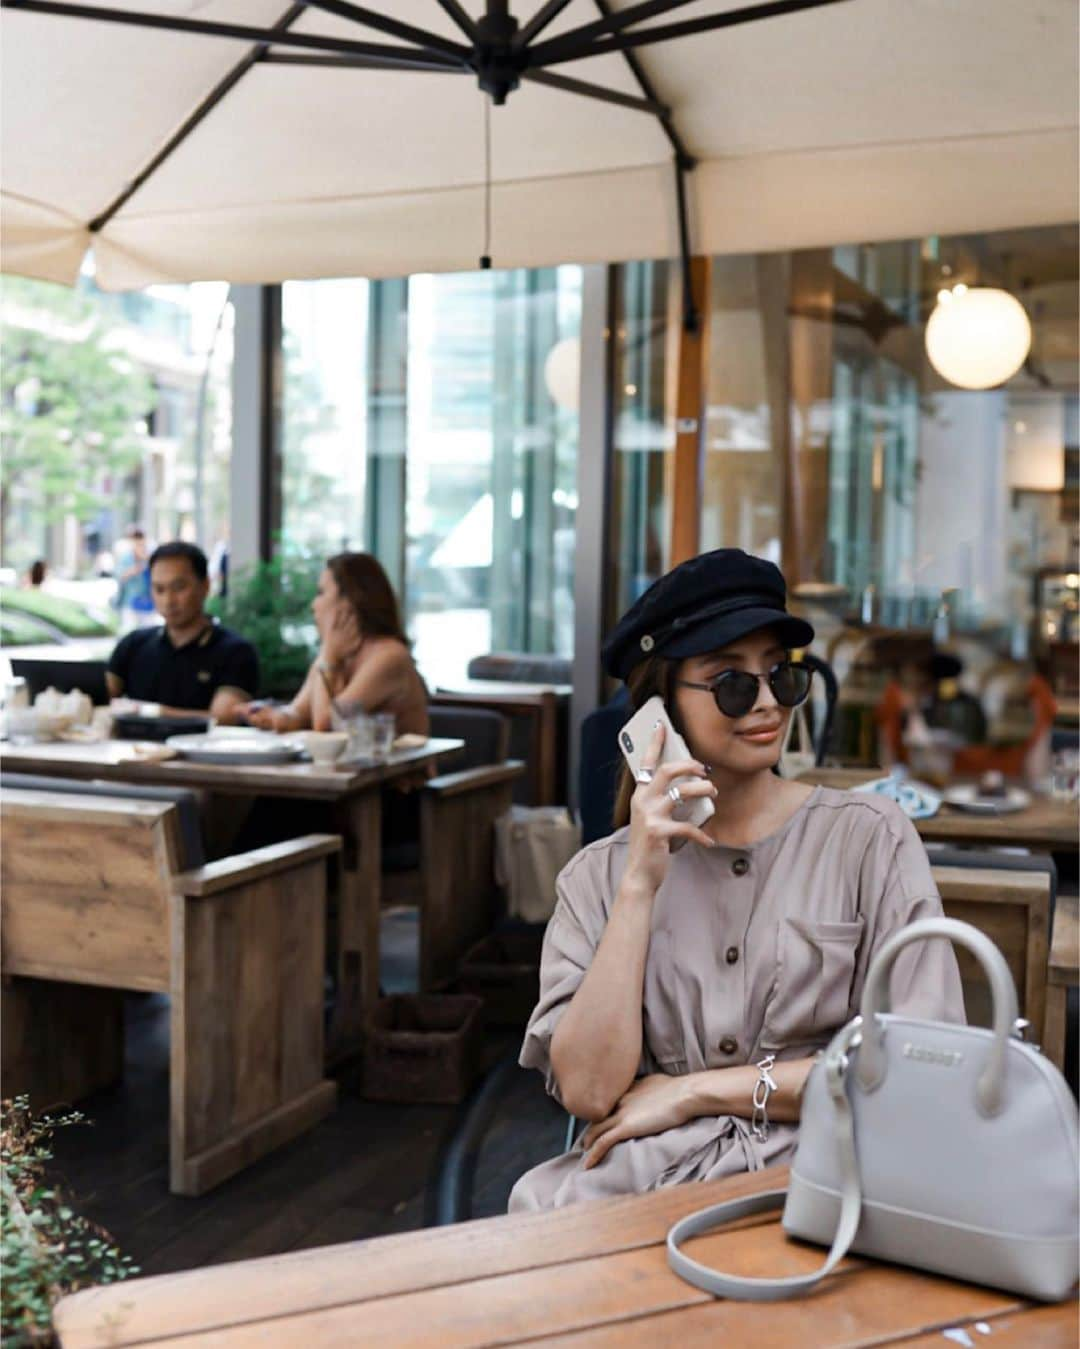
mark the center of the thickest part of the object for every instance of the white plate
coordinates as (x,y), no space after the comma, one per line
(968,798)
(220,747)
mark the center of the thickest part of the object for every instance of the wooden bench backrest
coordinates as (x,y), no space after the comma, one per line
(1013,909)
(85,885)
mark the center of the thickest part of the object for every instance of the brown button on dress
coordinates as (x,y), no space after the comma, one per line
(809,907)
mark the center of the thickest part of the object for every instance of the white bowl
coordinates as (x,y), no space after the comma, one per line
(325,746)
(28,723)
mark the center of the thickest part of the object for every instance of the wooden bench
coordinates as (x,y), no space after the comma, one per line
(1064,973)
(1013,909)
(93,903)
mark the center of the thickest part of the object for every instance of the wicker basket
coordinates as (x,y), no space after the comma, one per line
(504,970)
(423,1047)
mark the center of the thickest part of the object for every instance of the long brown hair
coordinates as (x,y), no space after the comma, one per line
(656,675)
(361,580)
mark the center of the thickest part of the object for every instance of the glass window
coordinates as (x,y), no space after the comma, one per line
(834,445)
(748,321)
(418,424)
(644,363)
(492,467)
(324,415)
(116,412)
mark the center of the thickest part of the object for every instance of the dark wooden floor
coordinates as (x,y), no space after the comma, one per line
(365,1171)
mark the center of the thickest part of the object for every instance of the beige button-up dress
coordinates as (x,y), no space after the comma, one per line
(753,951)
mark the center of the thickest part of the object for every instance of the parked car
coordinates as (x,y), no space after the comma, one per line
(20,629)
(65,616)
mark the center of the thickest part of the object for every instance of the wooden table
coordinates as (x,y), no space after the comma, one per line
(1046,825)
(588,1275)
(353,792)
(542,707)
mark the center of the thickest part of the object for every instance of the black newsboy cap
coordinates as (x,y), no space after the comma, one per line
(702,605)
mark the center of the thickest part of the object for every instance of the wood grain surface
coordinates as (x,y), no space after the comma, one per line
(590,1274)
(1047,824)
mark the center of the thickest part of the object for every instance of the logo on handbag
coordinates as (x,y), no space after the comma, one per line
(945,1058)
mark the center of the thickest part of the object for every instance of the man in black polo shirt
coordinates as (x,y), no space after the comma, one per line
(192,663)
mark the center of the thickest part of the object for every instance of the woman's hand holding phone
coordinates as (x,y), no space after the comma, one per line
(653,831)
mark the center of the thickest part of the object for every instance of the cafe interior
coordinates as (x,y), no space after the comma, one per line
(804,283)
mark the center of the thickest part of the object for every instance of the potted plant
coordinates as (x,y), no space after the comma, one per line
(46,1249)
(270,604)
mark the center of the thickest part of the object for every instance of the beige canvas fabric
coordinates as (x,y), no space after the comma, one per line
(532,846)
(764,948)
(305,172)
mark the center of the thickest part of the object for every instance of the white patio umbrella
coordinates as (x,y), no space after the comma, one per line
(252,140)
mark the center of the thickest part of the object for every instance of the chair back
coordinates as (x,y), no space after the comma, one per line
(831,692)
(192,853)
(1009,897)
(521,667)
(108,861)
(598,769)
(486,734)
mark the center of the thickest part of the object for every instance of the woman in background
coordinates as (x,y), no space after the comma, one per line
(364,658)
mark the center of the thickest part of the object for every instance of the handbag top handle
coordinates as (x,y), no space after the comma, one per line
(870,1069)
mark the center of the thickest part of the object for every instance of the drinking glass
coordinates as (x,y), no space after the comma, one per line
(351,717)
(383,729)
(1065,775)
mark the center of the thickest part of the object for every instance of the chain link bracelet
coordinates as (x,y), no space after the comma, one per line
(763,1089)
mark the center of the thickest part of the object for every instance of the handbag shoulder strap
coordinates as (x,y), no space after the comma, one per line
(705,1220)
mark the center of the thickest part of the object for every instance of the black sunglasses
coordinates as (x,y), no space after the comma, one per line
(735,691)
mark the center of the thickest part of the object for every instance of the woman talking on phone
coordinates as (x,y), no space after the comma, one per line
(692,970)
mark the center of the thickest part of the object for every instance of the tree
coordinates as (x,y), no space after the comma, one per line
(72,407)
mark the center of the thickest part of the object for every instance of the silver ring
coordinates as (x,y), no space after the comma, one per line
(675,794)
(644,776)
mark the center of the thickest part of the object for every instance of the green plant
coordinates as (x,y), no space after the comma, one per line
(270,604)
(72,409)
(46,1248)
(72,618)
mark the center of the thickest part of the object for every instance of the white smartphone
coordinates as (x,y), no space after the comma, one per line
(634,740)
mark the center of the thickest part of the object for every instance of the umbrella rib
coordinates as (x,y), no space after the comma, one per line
(201,27)
(611,22)
(544,15)
(649,105)
(547,54)
(382,23)
(683,157)
(683,163)
(461,18)
(189,124)
(359,63)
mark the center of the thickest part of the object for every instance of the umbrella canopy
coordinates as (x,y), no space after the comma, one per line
(257,141)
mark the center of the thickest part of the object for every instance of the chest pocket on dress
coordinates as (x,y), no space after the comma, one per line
(815,968)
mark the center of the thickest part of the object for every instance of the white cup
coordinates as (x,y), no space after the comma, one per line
(325,746)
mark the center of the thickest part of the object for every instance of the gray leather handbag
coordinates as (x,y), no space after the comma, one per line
(949,1148)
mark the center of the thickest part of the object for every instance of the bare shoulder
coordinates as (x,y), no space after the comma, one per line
(387,653)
